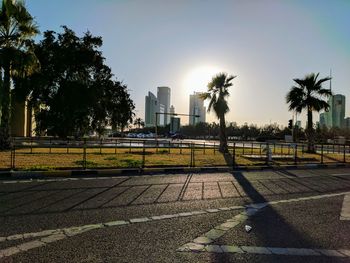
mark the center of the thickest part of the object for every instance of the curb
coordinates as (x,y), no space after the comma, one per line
(150,171)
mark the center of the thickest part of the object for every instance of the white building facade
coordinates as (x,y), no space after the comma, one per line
(196,108)
(163,96)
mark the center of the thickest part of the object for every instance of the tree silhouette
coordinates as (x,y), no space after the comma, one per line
(308,95)
(17,28)
(139,123)
(217,94)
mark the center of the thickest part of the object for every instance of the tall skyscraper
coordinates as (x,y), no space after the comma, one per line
(163,96)
(151,107)
(347,123)
(197,108)
(336,113)
(322,121)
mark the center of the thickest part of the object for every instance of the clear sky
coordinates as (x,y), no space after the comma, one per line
(182,43)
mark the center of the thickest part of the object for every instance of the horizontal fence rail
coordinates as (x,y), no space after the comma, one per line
(54,154)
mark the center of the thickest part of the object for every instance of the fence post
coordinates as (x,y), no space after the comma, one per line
(267,153)
(31,145)
(12,155)
(296,154)
(344,155)
(67,145)
(243,149)
(169,147)
(252,150)
(214,148)
(143,155)
(321,153)
(191,154)
(84,155)
(116,145)
(13,164)
(204,148)
(260,149)
(50,145)
(234,155)
(180,147)
(194,150)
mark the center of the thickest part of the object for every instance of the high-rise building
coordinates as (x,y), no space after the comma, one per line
(174,124)
(163,96)
(172,109)
(161,115)
(347,123)
(197,108)
(338,112)
(334,117)
(322,121)
(151,107)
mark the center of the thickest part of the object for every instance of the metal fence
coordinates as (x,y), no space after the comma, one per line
(53,154)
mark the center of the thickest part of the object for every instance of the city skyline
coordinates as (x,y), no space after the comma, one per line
(265,43)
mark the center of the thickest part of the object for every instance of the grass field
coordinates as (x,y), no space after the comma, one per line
(64,158)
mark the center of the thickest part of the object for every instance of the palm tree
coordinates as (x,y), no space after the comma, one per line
(139,123)
(17,27)
(308,95)
(217,94)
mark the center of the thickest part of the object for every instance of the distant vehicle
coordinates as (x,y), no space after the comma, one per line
(140,135)
(131,135)
(115,134)
(177,136)
(149,135)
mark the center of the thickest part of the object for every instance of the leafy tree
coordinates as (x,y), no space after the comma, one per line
(308,95)
(74,93)
(217,94)
(17,27)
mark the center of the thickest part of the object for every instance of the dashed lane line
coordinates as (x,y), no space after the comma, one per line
(345,211)
(48,236)
(195,247)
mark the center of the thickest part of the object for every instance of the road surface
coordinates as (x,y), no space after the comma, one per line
(294,216)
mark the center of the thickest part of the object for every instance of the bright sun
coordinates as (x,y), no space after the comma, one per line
(197,79)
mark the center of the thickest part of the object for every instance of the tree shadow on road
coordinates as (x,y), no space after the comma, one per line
(270,229)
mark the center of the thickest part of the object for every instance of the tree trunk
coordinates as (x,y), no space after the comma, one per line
(5,110)
(223,139)
(310,132)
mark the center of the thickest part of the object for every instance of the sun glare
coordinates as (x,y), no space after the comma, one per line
(197,79)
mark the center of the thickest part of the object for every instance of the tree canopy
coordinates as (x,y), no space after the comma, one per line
(309,95)
(217,94)
(75,93)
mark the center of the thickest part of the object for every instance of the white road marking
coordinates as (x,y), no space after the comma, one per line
(204,242)
(345,210)
(52,235)
(341,174)
(268,250)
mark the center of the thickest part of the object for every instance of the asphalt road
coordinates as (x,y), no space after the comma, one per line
(295,215)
